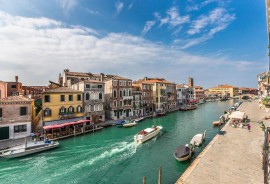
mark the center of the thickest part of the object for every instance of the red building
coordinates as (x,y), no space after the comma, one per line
(3,89)
(14,88)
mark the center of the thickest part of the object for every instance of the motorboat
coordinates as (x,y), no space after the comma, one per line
(160,113)
(217,123)
(129,124)
(188,107)
(120,122)
(198,139)
(28,148)
(147,134)
(184,152)
(139,119)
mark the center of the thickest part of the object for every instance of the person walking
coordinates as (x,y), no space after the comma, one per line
(248,126)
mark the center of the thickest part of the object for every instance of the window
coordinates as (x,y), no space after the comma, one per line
(120,83)
(47,112)
(62,98)
(115,83)
(23,111)
(121,94)
(87,96)
(114,94)
(92,108)
(129,92)
(47,98)
(1,113)
(124,83)
(129,83)
(13,86)
(79,109)
(99,86)
(124,92)
(79,97)
(114,103)
(71,109)
(20,128)
(62,110)
(87,86)
(100,96)
(121,103)
(70,97)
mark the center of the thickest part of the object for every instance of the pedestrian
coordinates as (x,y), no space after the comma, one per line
(248,126)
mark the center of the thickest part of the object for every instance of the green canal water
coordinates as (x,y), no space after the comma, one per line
(110,155)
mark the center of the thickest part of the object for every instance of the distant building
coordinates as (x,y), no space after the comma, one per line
(60,104)
(138,108)
(15,117)
(185,94)
(35,92)
(93,99)
(3,89)
(118,97)
(245,90)
(225,90)
(199,93)
(191,82)
(14,88)
(164,93)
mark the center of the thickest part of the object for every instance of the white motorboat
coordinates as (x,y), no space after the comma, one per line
(183,152)
(27,149)
(198,139)
(129,124)
(147,134)
(139,119)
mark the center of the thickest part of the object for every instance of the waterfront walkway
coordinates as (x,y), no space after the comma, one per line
(235,156)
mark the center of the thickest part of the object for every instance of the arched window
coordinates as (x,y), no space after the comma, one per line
(100,95)
(114,94)
(124,92)
(47,112)
(62,110)
(120,93)
(87,96)
(71,109)
(79,109)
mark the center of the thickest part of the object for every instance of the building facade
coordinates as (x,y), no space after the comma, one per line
(3,89)
(225,90)
(14,88)
(35,92)
(138,109)
(118,97)
(182,94)
(60,104)
(93,98)
(199,93)
(15,117)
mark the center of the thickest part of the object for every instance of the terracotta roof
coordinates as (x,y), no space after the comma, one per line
(62,90)
(15,99)
(90,81)
(116,77)
(151,81)
(224,86)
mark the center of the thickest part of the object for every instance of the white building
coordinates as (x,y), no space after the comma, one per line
(185,94)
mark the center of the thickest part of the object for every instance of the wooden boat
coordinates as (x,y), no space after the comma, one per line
(147,134)
(28,149)
(188,107)
(139,119)
(198,139)
(160,113)
(217,123)
(129,124)
(183,152)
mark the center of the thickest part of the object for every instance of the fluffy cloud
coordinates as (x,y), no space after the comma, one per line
(38,49)
(119,6)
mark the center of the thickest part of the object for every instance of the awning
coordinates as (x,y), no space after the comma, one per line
(65,124)
(237,115)
(52,127)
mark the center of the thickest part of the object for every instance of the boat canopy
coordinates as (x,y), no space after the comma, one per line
(182,151)
(148,130)
(237,115)
(65,124)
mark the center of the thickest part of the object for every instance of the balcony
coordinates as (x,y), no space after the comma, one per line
(66,115)
(127,97)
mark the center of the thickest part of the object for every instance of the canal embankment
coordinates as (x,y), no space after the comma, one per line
(233,156)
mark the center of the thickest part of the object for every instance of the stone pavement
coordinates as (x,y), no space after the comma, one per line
(234,157)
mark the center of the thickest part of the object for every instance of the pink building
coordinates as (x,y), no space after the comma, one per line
(3,89)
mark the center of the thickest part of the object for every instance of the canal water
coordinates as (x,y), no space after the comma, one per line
(111,156)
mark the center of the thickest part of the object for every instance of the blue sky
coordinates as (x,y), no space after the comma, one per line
(214,41)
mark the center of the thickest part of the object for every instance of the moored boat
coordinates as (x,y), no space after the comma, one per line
(147,134)
(160,113)
(120,122)
(139,119)
(129,124)
(188,107)
(217,123)
(28,149)
(183,152)
(198,139)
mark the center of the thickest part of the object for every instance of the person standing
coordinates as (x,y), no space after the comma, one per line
(248,126)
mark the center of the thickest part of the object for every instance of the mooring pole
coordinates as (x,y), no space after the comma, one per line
(144,180)
(159,175)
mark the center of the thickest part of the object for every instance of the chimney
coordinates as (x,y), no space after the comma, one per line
(16,78)
(101,77)
(145,78)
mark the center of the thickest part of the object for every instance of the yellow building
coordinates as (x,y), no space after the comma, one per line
(225,90)
(60,104)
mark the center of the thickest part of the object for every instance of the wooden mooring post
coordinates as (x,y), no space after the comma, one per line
(159,175)
(144,180)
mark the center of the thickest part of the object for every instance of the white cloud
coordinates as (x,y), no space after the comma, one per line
(119,6)
(38,49)
(147,27)
(175,19)
(67,5)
